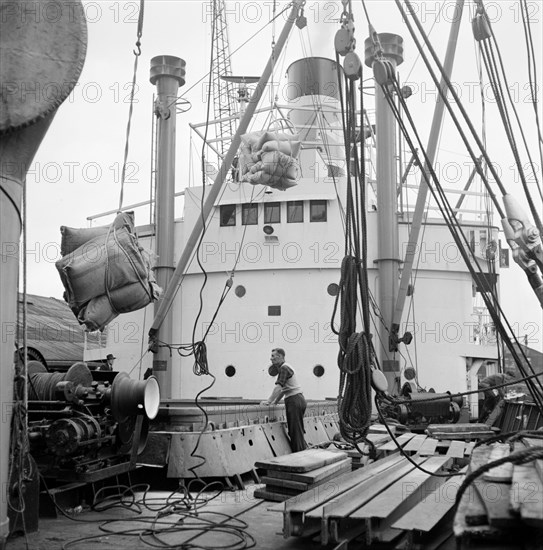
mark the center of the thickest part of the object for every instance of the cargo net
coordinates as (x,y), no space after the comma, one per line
(105,272)
(270,159)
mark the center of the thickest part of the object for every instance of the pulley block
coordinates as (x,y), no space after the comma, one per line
(480,27)
(342,42)
(383,71)
(352,66)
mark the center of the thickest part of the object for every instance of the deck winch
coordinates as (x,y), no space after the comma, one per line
(88,423)
(423,408)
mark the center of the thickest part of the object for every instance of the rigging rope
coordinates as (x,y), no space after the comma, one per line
(137,54)
(493,69)
(459,236)
(532,76)
(444,98)
(356,356)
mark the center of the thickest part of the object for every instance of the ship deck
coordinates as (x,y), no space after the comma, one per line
(85,531)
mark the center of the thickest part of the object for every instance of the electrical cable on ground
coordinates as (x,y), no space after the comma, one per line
(182,511)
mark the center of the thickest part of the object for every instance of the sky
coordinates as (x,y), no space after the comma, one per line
(76,172)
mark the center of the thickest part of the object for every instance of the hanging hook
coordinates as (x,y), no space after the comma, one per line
(137,52)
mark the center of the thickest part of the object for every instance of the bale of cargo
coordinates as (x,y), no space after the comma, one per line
(270,159)
(72,238)
(289,143)
(101,264)
(100,311)
(248,155)
(275,170)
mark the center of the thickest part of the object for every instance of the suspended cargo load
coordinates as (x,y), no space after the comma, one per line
(73,238)
(108,273)
(100,311)
(270,159)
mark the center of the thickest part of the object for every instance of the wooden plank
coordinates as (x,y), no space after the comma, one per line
(415,444)
(401,441)
(494,495)
(282,490)
(504,472)
(428,448)
(532,442)
(475,509)
(385,504)
(301,486)
(295,515)
(464,435)
(268,495)
(272,481)
(469,448)
(456,449)
(349,501)
(385,509)
(527,494)
(303,461)
(429,512)
(381,429)
(378,438)
(311,499)
(461,526)
(314,476)
(438,538)
(432,429)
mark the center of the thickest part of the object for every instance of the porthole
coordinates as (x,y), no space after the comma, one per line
(230,370)
(333,289)
(240,291)
(318,370)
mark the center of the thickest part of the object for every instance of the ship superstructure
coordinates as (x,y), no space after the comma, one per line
(282,253)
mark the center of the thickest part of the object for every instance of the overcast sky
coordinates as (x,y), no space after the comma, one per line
(76,172)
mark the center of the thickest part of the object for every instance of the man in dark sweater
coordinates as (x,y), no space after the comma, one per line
(286,385)
(492,393)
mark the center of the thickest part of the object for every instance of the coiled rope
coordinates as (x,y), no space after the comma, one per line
(354,360)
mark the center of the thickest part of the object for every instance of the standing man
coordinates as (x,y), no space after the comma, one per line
(108,365)
(492,394)
(287,386)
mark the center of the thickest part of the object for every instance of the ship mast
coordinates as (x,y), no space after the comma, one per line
(167,73)
(431,150)
(392,292)
(384,57)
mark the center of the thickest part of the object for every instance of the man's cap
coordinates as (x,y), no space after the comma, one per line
(511,373)
(110,356)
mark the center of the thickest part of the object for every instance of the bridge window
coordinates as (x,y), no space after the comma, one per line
(272,212)
(295,211)
(317,211)
(249,214)
(227,215)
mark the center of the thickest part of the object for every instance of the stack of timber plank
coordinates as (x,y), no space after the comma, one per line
(502,508)
(466,432)
(453,440)
(375,503)
(292,474)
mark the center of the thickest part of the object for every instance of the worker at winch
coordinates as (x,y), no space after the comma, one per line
(108,365)
(286,385)
(492,394)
